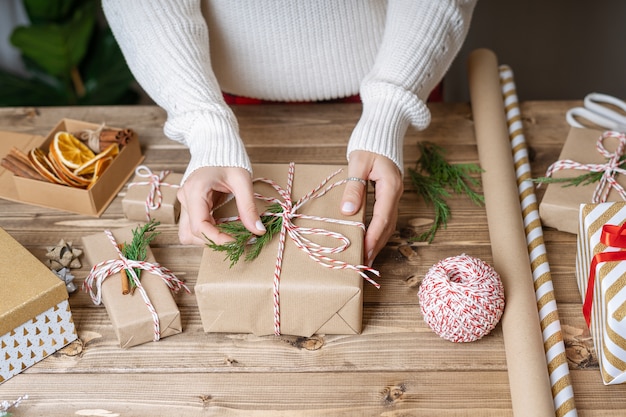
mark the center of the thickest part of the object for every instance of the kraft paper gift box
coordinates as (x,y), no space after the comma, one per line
(602,284)
(142,201)
(313,298)
(130,316)
(559,205)
(92,201)
(35,316)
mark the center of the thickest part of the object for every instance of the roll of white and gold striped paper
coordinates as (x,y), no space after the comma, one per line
(562,390)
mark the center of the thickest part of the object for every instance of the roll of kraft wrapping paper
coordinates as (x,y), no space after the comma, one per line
(529,381)
(554,348)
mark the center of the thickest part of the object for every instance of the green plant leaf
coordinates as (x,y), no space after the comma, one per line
(57,48)
(48,10)
(106,76)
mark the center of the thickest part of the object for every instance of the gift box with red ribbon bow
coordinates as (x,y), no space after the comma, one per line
(601,277)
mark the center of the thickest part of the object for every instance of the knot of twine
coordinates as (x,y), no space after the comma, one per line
(155,182)
(92,137)
(316,252)
(461,298)
(105,269)
(608,169)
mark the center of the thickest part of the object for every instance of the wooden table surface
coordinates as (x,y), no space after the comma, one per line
(396,367)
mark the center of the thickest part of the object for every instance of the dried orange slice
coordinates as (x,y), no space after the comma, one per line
(58,172)
(70,151)
(42,164)
(88,167)
(65,174)
(99,167)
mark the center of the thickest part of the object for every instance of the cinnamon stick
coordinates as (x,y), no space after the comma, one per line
(9,164)
(110,136)
(17,162)
(124,277)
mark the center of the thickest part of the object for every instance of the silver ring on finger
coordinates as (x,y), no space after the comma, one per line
(357,179)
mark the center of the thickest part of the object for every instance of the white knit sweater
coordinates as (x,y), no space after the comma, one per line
(184,53)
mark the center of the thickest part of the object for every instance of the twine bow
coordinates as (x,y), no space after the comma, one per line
(92,137)
(103,270)
(155,196)
(612,236)
(608,169)
(316,252)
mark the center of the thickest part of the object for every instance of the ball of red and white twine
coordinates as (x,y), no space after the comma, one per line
(461,298)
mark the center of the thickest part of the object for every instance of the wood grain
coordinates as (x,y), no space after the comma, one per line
(397,367)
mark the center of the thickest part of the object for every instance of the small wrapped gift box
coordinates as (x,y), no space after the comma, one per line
(584,150)
(35,316)
(152,195)
(601,277)
(148,314)
(299,296)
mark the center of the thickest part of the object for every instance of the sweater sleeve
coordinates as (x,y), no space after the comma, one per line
(421,39)
(166,46)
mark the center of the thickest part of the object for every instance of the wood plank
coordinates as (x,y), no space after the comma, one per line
(286,394)
(268,394)
(393,339)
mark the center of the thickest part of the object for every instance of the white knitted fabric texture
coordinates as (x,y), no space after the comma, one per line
(184,53)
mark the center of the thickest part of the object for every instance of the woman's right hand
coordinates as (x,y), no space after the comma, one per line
(202,192)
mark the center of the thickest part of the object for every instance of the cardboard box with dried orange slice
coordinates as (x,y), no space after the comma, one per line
(93,199)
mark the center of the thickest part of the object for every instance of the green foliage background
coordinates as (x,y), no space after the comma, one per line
(71,56)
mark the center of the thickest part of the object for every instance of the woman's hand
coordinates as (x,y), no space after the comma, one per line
(388,190)
(202,192)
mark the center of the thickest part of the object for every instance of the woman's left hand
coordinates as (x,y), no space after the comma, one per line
(388,190)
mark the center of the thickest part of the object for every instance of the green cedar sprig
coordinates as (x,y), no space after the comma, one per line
(244,240)
(433,178)
(137,249)
(583,179)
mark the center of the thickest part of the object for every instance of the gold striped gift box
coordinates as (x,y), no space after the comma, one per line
(603,289)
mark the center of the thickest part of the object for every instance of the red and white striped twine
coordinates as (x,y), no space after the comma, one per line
(609,169)
(461,298)
(316,252)
(155,196)
(105,269)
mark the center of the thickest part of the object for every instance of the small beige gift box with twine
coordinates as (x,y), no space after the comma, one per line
(585,151)
(147,315)
(152,196)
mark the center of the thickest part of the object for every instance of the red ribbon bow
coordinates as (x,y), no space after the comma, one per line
(614,236)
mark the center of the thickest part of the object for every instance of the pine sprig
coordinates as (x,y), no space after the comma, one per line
(245,242)
(432,179)
(584,179)
(137,249)
(434,193)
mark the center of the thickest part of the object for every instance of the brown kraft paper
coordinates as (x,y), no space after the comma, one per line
(134,202)
(313,298)
(559,205)
(526,362)
(131,319)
